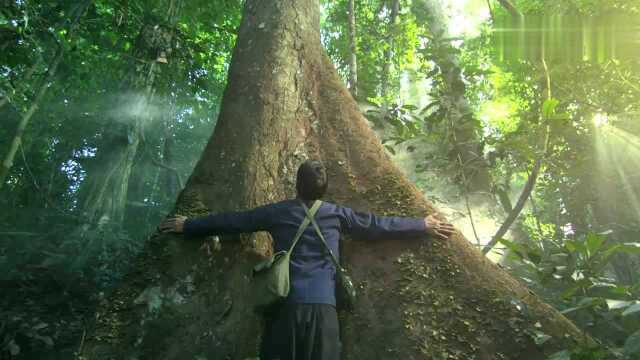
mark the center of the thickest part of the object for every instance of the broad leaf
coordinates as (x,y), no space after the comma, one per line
(631,310)
(617,304)
(632,344)
(561,355)
(429,106)
(594,242)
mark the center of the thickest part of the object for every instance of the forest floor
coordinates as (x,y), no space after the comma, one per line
(41,320)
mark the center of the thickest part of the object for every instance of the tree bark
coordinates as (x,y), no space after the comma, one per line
(417,299)
(353,48)
(465,127)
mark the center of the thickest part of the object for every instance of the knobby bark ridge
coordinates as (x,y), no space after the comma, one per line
(285,103)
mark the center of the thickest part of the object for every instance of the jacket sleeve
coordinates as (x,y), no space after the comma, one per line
(258,219)
(362,225)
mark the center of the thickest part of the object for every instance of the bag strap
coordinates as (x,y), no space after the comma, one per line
(310,214)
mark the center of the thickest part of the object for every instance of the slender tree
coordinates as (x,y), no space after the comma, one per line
(353,49)
(531,179)
(104,194)
(417,299)
(388,53)
(511,9)
(465,127)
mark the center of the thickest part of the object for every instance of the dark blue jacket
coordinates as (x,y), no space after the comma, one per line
(312,272)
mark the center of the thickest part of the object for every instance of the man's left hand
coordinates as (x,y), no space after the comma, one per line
(437,228)
(174,224)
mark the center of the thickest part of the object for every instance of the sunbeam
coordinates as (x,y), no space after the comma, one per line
(618,154)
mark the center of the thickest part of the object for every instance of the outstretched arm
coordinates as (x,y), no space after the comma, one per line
(366,225)
(257,219)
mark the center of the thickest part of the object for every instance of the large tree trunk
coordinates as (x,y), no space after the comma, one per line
(417,300)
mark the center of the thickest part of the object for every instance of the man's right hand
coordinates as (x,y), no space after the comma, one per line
(437,228)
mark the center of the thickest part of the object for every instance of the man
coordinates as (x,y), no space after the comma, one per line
(305,327)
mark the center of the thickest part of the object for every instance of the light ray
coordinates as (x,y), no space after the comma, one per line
(617,152)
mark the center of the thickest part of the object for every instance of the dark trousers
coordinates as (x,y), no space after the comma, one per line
(302,332)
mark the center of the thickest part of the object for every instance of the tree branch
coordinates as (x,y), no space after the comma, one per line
(531,180)
(167,167)
(507,5)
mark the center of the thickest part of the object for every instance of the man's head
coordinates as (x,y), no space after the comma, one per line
(311,182)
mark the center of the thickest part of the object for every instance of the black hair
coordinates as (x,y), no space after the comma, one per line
(311,182)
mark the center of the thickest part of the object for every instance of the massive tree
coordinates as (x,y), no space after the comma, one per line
(417,299)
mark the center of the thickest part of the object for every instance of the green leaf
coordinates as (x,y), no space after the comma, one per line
(631,310)
(580,284)
(617,304)
(429,106)
(632,344)
(541,338)
(575,246)
(594,242)
(515,248)
(570,310)
(560,355)
(549,107)
(609,291)
(630,248)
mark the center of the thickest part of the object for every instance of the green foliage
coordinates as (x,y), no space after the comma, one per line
(51,254)
(375,36)
(572,274)
(405,120)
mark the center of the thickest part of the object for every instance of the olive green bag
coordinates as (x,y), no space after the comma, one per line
(271,277)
